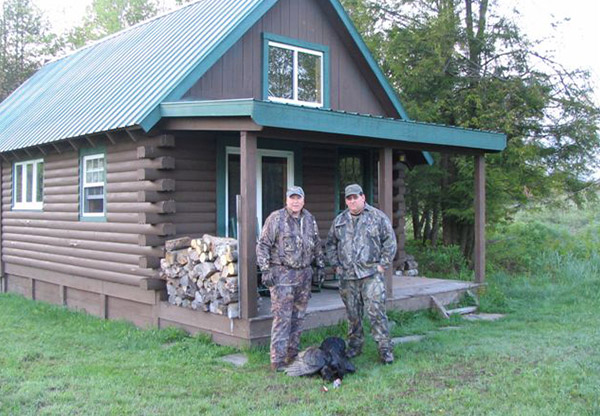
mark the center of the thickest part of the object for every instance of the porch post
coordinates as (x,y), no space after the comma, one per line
(479,218)
(386,202)
(247,237)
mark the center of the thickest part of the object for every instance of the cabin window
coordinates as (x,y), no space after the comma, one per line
(295,74)
(353,166)
(93,185)
(28,184)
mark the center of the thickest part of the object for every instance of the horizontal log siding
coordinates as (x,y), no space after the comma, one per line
(319,164)
(399,207)
(56,241)
(195,186)
(238,74)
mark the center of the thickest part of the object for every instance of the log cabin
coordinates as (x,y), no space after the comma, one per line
(195,122)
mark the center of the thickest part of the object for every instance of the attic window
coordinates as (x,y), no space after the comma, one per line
(295,75)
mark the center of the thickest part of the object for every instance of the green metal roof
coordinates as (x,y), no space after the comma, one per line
(293,117)
(121,80)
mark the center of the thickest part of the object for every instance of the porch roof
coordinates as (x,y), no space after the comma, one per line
(293,117)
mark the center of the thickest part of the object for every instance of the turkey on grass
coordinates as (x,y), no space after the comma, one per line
(329,360)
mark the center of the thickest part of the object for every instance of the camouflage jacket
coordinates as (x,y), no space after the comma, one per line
(290,242)
(359,247)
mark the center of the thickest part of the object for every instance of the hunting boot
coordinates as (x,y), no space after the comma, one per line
(385,354)
(353,352)
(277,367)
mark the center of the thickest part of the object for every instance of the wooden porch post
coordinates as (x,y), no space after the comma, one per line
(479,218)
(247,237)
(386,181)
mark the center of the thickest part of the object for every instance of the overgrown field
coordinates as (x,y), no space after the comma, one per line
(541,359)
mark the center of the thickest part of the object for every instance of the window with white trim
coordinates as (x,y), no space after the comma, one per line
(93,185)
(295,75)
(28,184)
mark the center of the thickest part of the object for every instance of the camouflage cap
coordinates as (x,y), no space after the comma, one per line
(353,189)
(295,190)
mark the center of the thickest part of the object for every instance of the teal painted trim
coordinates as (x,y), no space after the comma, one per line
(428,158)
(295,147)
(223,142)
(265,67)
(188,81)
(87,151)
(369,58)
(151,119)
(369,175)
(300,44)
(301,118)
(92,219)
(367,158)
(337,182)
(217,108)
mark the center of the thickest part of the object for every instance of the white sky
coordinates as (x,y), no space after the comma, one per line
(575,43)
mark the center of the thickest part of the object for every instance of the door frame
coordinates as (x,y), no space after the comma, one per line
(235,150)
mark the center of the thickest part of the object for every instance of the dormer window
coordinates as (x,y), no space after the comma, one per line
(295,72)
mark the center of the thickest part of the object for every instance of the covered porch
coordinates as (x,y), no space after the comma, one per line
(390,142)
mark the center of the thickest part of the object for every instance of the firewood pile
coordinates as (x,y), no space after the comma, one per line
(409,267)
(202,274)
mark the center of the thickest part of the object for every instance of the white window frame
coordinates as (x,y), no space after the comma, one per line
(260,153)
(295,100)
(34,205)
(85,185)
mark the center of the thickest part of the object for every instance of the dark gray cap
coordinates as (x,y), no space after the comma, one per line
(295,190)
(353,189)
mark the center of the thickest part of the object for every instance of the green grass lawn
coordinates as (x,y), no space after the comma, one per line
(541,359)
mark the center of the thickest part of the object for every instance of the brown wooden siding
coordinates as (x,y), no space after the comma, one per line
(238,74)
(319,164)
(56,240)
(196,192)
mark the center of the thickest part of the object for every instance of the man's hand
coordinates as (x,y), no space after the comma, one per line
(380,269)
(267,279)
(320,275)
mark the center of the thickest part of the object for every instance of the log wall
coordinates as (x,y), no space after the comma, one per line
(54,256)
(319,164)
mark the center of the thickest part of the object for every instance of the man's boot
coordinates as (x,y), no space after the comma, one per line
(277,367)
(353,352)
(386,354)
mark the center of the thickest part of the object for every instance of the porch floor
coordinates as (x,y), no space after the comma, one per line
(410,293)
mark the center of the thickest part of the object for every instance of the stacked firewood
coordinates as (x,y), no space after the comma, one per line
(202,274)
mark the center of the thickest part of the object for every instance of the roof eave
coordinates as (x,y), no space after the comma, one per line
(275,115)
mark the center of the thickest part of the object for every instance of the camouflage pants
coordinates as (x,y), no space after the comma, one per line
(367,293)
(288,305)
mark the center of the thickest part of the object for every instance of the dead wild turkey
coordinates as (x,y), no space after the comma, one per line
(329,360)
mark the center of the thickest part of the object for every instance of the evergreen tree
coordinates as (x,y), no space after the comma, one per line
(458,63)
(24,43)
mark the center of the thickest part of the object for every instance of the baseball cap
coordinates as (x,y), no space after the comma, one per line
(353,189)
(295,190)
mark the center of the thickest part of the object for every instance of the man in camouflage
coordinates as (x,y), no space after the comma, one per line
(361,244)
(288,246)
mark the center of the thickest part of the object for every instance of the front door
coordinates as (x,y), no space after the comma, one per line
(274,174)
